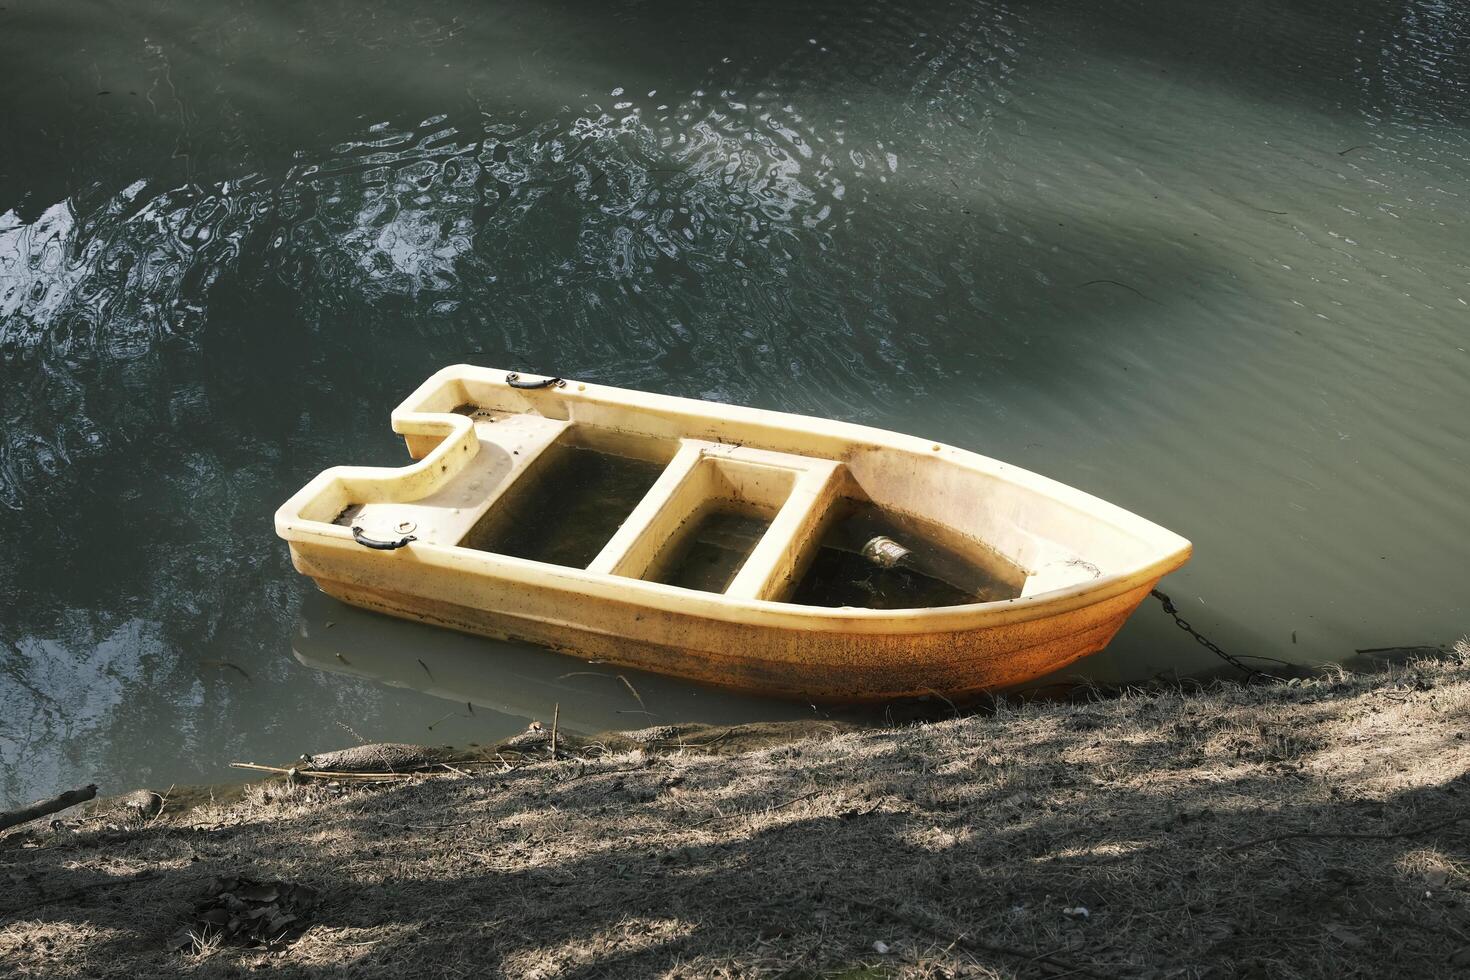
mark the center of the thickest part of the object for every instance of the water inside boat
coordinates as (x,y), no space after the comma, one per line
(931,574)
(581,490)
(565,510)
(711,552)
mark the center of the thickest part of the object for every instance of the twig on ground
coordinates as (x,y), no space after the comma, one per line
(1344,835)
(849,814)
(163,802)
(43,808)
(751,813)
(555,718)
(584,771)
(1408,923)
(326,774)
(963,942)
(1097,863)
(706,744)
(424,826)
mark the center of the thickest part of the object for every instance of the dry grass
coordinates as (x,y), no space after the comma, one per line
(1304,831)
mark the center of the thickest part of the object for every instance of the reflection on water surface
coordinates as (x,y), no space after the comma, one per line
(1206,261)
(495,690)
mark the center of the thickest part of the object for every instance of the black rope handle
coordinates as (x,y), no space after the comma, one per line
(514,380)
(378,545)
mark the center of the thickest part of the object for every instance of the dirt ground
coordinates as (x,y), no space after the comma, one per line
(1318,829)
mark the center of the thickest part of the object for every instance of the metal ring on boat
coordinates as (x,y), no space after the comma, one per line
(378,545)
(514,380)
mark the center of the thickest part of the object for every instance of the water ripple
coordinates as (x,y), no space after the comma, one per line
(649,219)
(1210,266)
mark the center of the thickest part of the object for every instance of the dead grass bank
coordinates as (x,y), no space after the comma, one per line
(1316,830)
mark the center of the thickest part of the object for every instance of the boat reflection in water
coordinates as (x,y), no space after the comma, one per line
(518,681)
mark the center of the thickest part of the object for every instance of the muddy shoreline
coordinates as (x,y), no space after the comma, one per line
(1315,829)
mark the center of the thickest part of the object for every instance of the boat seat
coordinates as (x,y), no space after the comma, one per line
(509,444)
(1058,573)
(797,491)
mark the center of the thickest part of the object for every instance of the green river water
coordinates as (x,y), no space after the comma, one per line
(1208,261)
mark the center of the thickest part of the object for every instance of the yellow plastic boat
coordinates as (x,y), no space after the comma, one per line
(755,550)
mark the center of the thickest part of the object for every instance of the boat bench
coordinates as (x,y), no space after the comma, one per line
(509,444)
(798,489)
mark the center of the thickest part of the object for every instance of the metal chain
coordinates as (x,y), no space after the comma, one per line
(1209,645)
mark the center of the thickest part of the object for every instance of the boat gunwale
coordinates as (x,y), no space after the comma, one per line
(455,429)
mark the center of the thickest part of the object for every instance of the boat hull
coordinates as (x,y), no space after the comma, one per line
(829,665)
